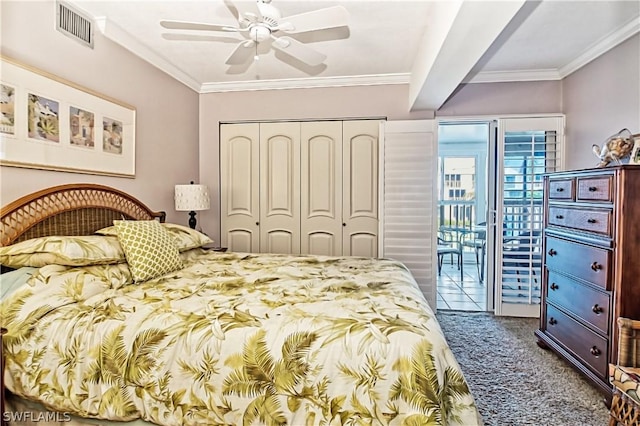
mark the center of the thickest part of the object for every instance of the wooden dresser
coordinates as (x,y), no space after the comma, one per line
(591,265)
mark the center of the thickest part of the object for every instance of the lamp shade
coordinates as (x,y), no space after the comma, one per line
(192,197)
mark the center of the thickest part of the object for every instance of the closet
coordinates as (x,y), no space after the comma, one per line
(300,187)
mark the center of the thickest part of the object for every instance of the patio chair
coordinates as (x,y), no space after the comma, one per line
(477,240)
(625,376)
(451,248)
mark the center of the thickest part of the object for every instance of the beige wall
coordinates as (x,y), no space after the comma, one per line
(530,97)
(385,101)
(600,99)
(166,110)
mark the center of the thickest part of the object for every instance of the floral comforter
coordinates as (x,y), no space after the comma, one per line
(236,339)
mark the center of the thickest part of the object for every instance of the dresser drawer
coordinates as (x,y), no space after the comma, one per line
(598,188)
(579,260)
(592,220)
(590,305)
(589,347)
(561,189)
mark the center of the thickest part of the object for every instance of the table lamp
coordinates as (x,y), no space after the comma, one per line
(192,198)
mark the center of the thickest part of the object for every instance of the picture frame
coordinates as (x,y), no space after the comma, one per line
(634,158)
(49,123)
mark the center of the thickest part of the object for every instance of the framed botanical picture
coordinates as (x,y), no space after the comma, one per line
(43,121)
(51,123)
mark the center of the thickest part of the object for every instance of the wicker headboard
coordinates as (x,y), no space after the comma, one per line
(74,209)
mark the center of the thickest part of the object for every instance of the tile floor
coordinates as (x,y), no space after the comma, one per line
(468,294)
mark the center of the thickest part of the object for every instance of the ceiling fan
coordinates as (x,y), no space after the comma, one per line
(269,25)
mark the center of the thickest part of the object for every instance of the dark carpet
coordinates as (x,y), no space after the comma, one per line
(514,381)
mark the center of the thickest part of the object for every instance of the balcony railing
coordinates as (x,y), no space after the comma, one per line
(456,213)
(517,216)
(521,216)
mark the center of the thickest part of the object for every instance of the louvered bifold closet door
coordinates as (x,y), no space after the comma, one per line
(409,198)
(528,148)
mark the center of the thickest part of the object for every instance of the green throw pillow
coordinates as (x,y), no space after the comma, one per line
(148,247)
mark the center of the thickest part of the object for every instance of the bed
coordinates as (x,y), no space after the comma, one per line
(220,339)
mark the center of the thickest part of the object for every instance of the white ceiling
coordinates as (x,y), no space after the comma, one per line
(433,45)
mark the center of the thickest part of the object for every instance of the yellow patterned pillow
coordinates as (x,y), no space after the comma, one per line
(148,247)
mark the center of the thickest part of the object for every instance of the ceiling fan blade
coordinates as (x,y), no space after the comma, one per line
(233,9)
(241,53)
(181,25)
(330,17)
(294,48)
(199,37)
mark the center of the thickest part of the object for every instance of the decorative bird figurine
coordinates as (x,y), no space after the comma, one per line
(615,148)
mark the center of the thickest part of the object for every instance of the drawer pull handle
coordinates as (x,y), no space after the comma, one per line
(553,321)
(552,252)
(591,220)
(559,216)
(559,189)
(554,286)
(593,188)
(595,351)
(596,266)
(597,309)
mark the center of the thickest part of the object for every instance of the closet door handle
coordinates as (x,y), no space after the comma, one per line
(344,224)
(257,223)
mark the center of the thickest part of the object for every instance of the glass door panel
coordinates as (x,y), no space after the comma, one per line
(457,189)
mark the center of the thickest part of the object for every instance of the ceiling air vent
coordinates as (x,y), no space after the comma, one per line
(74,24)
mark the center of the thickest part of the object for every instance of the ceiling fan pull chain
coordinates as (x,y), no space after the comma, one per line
(256,57)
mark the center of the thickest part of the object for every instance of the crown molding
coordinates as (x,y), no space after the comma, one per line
(510,76)
(305,83)
(115,33)
(602,46)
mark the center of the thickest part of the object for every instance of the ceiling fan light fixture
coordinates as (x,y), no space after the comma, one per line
(259,32)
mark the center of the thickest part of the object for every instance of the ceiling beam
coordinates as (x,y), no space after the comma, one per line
(458,34)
